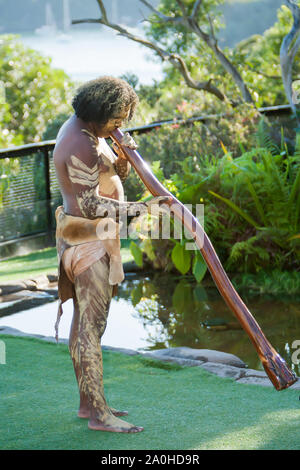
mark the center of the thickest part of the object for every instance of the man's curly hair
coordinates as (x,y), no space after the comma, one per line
(104,98)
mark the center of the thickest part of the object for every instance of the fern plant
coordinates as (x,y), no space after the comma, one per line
(263,188)
(252,208)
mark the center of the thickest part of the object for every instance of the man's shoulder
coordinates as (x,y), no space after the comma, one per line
(78,143)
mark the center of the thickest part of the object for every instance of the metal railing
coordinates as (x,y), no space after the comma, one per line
(29,202)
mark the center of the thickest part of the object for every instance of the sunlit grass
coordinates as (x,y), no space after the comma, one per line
(30,265)
(40,262)
(179,407)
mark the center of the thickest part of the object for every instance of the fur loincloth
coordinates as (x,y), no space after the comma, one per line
(80,242)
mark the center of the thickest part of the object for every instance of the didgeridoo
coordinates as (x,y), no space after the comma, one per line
(276,368)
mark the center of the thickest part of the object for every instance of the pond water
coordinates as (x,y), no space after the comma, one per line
(159,311)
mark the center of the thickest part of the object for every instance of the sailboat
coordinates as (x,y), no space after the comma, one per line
(49,28)
(65,36)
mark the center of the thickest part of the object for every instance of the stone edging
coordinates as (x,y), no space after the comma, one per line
(216,362)
(21,295)
(47,282)
(17,296)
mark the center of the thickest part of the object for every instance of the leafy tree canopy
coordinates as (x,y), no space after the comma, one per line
(257,58)
(32,93)
(176,38)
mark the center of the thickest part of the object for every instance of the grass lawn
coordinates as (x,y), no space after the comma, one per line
(180,408)
(41,262)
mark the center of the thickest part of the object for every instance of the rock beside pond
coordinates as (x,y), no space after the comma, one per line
(42,282)
(129,352)
(7,330)
(16,296)
(180,356)
(204,355)
(266,382)
(11,287)
(259,377)
(216,362)
(24,300)
(178,360)
(223,370)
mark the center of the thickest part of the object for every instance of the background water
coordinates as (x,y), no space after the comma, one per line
(123,329)
(85,54)
(154,311)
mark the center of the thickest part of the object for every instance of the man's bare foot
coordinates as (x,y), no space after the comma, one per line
(113,424)
(85,413)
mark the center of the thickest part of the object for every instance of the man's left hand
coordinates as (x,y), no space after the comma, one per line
(128,141)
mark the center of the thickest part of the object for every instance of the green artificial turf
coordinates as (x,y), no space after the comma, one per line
(41,262)
(179,407)
(29,266)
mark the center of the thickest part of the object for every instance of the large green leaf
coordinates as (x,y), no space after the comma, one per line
(148,249)
(137,294)
(182,298)
(200,294)
(199,268)
(181,258)
(137,254)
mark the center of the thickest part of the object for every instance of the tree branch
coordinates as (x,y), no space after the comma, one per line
(104,20)
(182,8)
(190,22)
(196,9)
(258,72)
(288,52)
(102,9)
(225,62)
(179,63)
(88,20)
(168,19)
(174,59)
(212,29)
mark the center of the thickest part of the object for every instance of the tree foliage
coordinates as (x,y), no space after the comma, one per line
(32,93)
(184,35)
(259,56)
(175,37)
(189,19)
(257,59)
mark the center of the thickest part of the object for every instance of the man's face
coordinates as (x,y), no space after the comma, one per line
(114,123)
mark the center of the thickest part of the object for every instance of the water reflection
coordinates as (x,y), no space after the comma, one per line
(181,313)
(159,311)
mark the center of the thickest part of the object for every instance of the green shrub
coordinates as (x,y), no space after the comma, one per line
(34,93)
(252,209)
(170,144)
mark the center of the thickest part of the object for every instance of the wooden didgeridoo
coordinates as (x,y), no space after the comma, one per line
(276,368)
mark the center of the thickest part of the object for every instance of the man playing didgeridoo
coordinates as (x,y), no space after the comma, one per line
(90,177)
